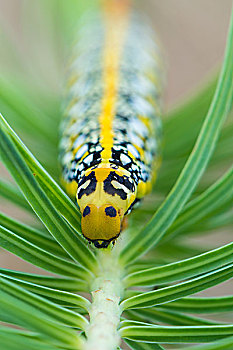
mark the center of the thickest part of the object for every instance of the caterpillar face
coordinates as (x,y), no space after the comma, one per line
(104,196)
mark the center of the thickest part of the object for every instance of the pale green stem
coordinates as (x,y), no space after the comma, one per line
(105,310)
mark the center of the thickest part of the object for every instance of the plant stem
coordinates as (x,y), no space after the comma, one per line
(105,310)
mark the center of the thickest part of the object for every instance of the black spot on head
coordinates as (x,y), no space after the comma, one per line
(86,211)
(111,211)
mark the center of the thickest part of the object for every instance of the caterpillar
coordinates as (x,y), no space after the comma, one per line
(111,132)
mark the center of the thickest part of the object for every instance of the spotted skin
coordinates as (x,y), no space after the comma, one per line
(111,133)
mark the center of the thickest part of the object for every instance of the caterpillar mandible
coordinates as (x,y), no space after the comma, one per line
(111,133)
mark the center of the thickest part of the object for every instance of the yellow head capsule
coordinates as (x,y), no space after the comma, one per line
(101,224)
(104,196)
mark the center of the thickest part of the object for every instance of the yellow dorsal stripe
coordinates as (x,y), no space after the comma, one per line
(115,33)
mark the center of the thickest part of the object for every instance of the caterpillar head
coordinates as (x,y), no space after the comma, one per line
(104,195)
(101,224)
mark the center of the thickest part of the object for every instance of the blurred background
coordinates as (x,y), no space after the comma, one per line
(192,33)
(36,38)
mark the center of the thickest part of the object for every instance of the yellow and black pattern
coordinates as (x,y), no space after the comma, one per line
(111,133)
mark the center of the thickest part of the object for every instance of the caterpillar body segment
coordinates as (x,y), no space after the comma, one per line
(111,132)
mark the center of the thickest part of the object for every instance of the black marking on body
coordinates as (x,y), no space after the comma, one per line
(90,188)
(127,182)
(136,201)
(131,166)
(110,189)
(94,161)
